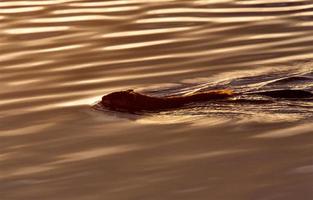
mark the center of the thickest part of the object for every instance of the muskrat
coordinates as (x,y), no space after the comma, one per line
(129,100)
(132,101)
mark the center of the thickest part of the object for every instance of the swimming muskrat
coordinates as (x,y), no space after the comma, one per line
(132,101)
(129,100)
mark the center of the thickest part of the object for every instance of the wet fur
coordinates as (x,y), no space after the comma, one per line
(133,101)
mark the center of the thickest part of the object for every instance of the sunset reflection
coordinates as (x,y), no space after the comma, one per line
(110,99)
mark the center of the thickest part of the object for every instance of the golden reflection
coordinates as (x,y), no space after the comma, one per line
(59,57)
(203,19)
(241,10)
(95,153)
(28,30)
(14,55)
(114,3)
(96,10)
(304,169)
(267,2)
(287,132)
(82,101)
(182,117)
(26,171)
(305,24)
(245,47)
(145,32)
(64,48)
(172,19)
(128,77)
(26,130)
(99,3)
(4,156)
(15,3)
(300,34)
(74,18)
(28,65)
(304,14)
(23,99)
(20,10)
(137,44)
(34,3)
(206,155)
(113,62)
(23,82)
(288,58)
(206,2)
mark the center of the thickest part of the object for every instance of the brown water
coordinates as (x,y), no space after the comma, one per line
(58,57)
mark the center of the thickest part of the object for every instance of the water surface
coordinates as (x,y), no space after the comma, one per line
(58,57)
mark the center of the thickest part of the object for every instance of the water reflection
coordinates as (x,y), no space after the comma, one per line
(58,57)
(20,10)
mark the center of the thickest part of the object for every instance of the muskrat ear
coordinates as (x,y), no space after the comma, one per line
(130,90)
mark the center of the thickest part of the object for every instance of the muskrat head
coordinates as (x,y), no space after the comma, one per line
(123,100)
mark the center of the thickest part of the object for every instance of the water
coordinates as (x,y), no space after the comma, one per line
(58,57)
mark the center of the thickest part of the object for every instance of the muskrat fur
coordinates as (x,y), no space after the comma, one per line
(132,101)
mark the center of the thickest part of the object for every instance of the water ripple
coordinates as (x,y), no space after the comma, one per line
(57,57)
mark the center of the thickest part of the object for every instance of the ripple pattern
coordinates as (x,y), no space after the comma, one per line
(57,57)
(65,45)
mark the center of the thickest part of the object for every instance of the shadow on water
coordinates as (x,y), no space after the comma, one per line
(57,57)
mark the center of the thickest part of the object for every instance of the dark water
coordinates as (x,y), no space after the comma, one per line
(58,57)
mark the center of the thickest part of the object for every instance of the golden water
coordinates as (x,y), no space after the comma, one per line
(58,57)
